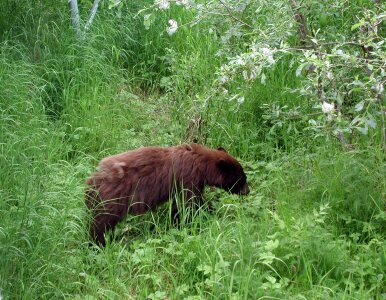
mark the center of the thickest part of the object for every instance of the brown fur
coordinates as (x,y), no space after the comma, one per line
(139,180)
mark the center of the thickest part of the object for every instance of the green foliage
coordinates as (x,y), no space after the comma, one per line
(313,225)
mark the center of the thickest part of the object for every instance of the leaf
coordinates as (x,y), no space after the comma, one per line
(148,20)
(300,69)
(205,268)
(356,120)
(271,245)
(357,25)
(182,289)
(359,106)
(267,257)
(363,130)
(158,295)
(271,279)
(371,123)
(263,78)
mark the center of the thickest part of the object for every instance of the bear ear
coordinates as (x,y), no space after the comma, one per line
(222,149)
(188,147)
(225,166)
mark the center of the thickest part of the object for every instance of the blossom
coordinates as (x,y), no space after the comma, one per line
(172,28)
(240,100)
(163,4)
(328,107)
(183,2)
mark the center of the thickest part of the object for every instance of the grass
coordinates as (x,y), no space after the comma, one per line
(313,226)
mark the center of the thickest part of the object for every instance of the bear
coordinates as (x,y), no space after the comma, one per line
(139,180)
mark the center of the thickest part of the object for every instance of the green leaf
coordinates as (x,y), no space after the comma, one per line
(205,268)
(371,123)
(271,245)
(363,130)
(148,20)
(359,106)
(357,25)
(300,69)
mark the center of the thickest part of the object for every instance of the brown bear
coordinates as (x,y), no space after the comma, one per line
(139,180)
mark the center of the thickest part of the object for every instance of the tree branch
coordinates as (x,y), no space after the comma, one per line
(302,25)
(93,11)
(230,13)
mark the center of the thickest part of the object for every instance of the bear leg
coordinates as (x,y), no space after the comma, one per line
(106,219)
(192,200)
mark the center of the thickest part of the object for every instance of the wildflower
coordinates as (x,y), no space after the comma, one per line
(330,76)
(163,4)
(183,2)
(328,108)
(240,100)
(172,28)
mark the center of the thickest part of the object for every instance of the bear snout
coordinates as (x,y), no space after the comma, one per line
(244,190)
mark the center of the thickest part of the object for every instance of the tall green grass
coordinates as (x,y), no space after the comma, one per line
(312,227)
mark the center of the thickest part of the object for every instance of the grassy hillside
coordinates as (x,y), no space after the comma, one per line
(313,226)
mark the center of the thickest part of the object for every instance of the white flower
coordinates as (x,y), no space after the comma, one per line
(328,107)
(240,100)
(183,2)
(172,28)
(163,4)
(330,76)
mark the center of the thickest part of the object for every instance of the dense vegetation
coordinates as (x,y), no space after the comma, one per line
(313,226)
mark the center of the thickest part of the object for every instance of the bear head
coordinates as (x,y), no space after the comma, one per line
(233,178)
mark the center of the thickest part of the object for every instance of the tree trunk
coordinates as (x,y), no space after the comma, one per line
(75,17)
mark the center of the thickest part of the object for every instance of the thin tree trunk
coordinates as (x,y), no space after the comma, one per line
(75,17)
(92,14)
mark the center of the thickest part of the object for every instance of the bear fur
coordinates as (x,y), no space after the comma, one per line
(140,180)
